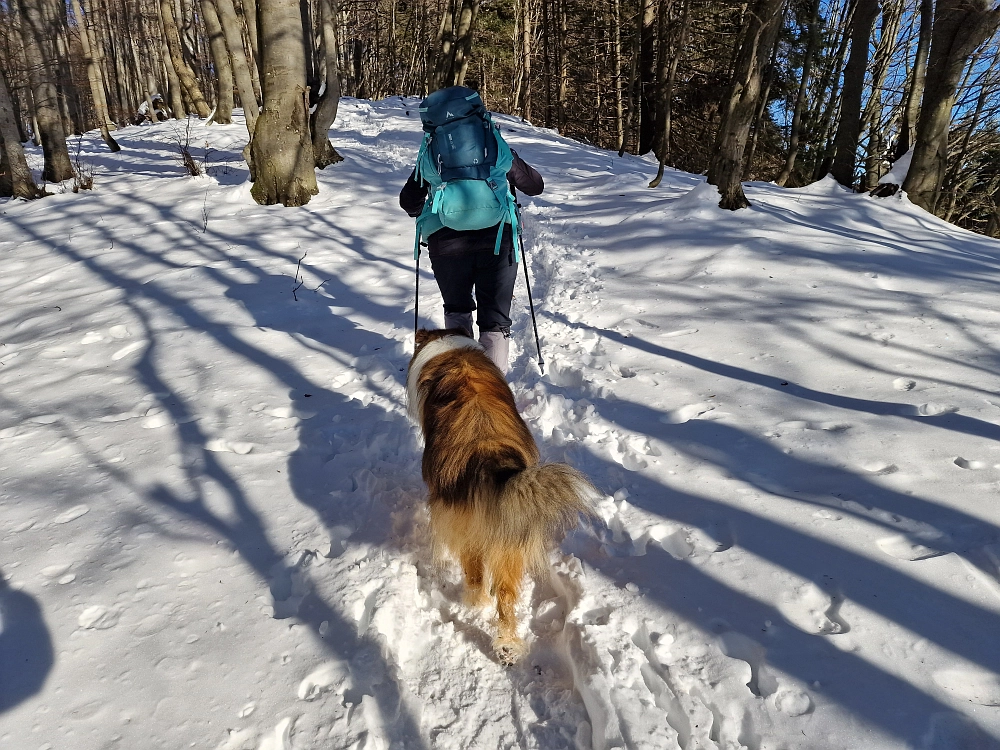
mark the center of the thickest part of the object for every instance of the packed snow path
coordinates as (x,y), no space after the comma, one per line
(212,529)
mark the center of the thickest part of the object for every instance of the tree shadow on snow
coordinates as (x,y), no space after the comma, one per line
(951,622)
(269,300)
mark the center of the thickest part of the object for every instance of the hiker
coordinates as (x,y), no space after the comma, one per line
(159,111)
(475,268)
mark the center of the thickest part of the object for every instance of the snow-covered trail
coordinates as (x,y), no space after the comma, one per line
(212,519)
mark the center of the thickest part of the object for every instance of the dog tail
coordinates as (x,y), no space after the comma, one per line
(537,506)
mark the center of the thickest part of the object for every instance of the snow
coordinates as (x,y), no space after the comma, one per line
(212,526)
(897,175)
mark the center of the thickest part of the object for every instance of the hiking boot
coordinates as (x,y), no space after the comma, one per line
(497,346)
(459,320)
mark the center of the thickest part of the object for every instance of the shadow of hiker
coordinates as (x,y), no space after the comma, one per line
(26,656)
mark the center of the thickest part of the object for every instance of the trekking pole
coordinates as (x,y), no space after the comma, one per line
(416,297)
(527,283)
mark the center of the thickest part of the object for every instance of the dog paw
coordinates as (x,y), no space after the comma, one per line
(509,651)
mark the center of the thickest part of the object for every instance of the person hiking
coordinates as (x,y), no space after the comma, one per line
(475,269)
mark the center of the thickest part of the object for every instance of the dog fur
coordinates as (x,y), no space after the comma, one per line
(492,505)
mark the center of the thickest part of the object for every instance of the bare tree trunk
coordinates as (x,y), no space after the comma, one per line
(223,67)
(173,85)
(758,116)
(458,25)
(871,119)
(563,58)
(94,77)
(824,121)
(632,81)
(761,24)
(463,39)
(668,92)
(616,30)
(40,54)
(849,129)
(189,86)
(800,99)
(647,78)
(15,176)
(281,148)
(915,90)
(250,14)
(326,108)
(960,27)
(524,83)
(241,65)
(951,182)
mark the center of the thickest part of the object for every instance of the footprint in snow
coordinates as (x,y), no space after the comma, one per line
(289,585)
(738,646)
(801,424)
(964,463)
(814,610)
(973,684)
(932,409)
(98,617)
(687,413)
(71,514)
(127,350)
(331,676)
(914,546)
(879,468)
(224,446)
(904,384)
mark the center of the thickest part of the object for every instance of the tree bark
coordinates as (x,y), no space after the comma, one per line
(761,24)
(849,130)
(666,103)
(15,177)
(800,99)
(39,54)
(326,108)
(281,149)
(185,75)
(223,67)
(250,14)
(94,77)
(647,78)
(458,25)
(915,90)
(177,107)
(633,77)
(231,27)
(960,27)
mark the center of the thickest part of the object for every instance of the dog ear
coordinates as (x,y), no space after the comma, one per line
(422,336)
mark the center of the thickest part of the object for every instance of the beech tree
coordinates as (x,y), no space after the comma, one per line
(15,176)
(329,79)
(761,24)
(960,26)
(281,148)
(848,133)
(39,29)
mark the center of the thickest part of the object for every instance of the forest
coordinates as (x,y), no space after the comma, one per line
(788,91)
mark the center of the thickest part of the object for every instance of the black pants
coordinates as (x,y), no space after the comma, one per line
(477,271)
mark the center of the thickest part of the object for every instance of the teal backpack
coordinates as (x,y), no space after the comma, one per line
(464,161)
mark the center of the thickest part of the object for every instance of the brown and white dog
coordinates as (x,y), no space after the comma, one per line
(492,505)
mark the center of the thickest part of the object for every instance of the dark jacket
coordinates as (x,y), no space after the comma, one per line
(445,241)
